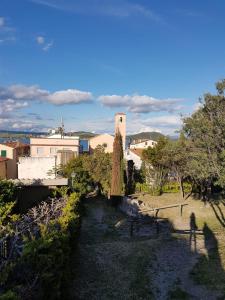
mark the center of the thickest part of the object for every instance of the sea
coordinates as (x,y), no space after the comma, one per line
(83,143)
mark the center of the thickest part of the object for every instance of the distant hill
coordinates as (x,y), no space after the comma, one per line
(18,134)
(82,134)
(146,135)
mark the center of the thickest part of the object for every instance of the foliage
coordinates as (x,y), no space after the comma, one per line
(146,188)
(7,191)
(52,230)
(155,168)
(205,131)
(91,170)
(117,166)
(82,180)
(99,167)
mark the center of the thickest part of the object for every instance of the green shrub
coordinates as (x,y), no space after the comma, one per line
(9,295)
(170,187)
(174,187)
(7,191)
(46,259)
(146,188)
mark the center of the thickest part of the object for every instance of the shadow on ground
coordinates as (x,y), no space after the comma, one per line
(149,263)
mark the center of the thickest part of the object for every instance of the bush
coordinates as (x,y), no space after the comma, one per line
(170,187)
(145,188)
(174,187)
(45,261)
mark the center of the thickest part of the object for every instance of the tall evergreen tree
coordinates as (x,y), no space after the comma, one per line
(117,166)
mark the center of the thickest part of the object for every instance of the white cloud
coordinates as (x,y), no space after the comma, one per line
(70,96)
(7,33)
(115,8)
(2,22)
(10,105)
(48,46)
(141,104)
(34,93)
(40,40)
(43,43)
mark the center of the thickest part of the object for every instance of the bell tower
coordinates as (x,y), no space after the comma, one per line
(120,125)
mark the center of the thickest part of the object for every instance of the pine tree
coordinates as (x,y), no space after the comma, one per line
(117,167)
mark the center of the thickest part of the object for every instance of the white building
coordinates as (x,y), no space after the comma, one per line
(142,144)
(135,155)
(46,154)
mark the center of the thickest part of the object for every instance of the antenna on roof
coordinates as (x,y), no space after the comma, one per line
(62,129)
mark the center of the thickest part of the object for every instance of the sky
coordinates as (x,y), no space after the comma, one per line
(85,60)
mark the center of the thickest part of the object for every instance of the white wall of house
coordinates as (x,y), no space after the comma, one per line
(36,167)
(47,147)
(143,145)
(129,155)
(105,140)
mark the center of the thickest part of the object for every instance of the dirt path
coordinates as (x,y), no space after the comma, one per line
(113,265)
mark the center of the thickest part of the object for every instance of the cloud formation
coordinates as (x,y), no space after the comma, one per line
(34,93)
(6,32)
(115,8)
(141,104)
(45,45)
(2,22)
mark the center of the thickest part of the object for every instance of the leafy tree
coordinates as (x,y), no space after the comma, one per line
(117,183)
(99,167)
(82,179)
(155,168)
(205,131)
(176,157)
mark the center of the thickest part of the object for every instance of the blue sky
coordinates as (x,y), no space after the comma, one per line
(87,59)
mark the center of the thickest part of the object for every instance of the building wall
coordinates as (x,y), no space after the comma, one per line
(105,140)
(10,152)
(120,124)
(143,145)
(45,147)
(3,169)
(36,167)
(129,155)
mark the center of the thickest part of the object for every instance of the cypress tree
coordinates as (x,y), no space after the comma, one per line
(117,168)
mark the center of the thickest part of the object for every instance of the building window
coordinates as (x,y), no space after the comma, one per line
(3,153)
(121,119)
(105,145)
(146,143)
(40,150)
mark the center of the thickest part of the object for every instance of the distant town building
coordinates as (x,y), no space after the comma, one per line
(49,146)
(142,144)
(4,168)
(135,155)
(47,154)
(12,151)
(105,140)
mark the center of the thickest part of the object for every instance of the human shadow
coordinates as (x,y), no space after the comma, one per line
(213,256)
(193,228)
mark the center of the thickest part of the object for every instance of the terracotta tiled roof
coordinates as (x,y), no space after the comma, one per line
(138,152)
(15,145)
(3,159)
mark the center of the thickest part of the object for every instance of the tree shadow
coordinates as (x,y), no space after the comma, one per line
(218,213)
